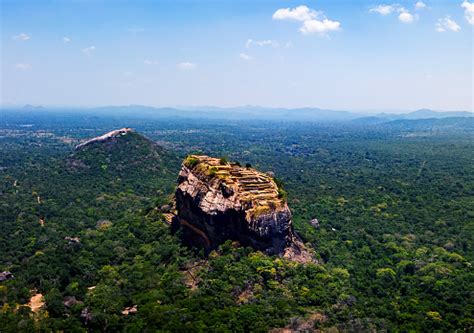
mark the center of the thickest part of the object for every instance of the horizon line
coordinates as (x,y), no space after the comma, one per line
(195,107)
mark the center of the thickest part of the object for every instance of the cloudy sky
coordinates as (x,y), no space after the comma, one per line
(352,55)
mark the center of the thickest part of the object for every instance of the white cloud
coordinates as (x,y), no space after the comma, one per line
(186,65)
(420,5)
(88,51)
(21,36)
(321,27)
(66,40)
(383,9)
(300,13)
(468,11)
(405,16)
(245,57)
(150,62)
(267,42)
(446,23)
(23,67)
(313,21)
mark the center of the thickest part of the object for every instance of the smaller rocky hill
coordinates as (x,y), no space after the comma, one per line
(118,164)
(121,152)
(218,201)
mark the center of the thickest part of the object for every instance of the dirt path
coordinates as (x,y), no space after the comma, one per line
(36,303)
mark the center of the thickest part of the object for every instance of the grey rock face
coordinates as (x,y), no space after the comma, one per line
(105,137)
(314,223)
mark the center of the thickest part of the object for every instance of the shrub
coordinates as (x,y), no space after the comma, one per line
(212,171)
(191,162)
(282,194)
(223,161)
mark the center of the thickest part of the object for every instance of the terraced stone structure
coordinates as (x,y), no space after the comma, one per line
(218,201)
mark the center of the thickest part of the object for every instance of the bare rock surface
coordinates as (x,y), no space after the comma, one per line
(6,275)
(106,137)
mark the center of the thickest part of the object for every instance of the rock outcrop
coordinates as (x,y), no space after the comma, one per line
(110,136)
(6,275)
(218,201)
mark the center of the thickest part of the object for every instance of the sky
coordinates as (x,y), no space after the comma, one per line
(343,55)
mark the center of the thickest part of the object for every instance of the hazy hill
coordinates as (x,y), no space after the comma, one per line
(415,115)
(29,113)
(427,113)
(268,113)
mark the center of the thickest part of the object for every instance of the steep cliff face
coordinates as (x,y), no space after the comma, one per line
(218,201)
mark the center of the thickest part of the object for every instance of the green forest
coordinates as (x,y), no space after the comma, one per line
(394,235)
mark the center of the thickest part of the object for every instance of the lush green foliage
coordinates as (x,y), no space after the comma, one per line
(395,206)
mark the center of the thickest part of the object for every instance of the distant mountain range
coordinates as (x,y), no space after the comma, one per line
(252,112)
(415,115)
(264,113)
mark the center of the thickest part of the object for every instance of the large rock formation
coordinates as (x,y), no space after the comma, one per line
(218,201)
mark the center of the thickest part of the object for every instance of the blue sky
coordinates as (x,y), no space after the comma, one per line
(352,55)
